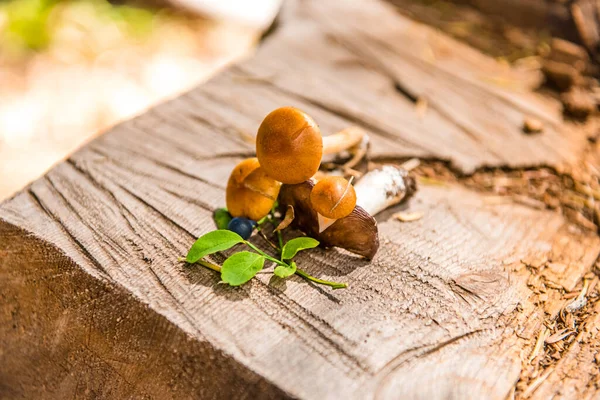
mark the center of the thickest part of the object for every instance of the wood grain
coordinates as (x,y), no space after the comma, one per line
(90,280)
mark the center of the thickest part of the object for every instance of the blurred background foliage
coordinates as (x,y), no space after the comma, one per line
(72,68)
(31,24)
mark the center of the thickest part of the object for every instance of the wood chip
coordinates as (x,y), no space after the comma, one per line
(532,125)
(572,295)
(584,17)
(411,164)
(527,201)
(570,53)
(581,300)
(539,344)
(421,107)
(558,336)
(408,216)
(578,103)
(560,75)
(536,384)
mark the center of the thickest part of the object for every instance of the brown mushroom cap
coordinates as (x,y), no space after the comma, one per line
(289,145)
(333,197)
(250,193)
(357,232)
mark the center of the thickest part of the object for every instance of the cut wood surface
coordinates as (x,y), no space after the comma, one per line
(95,304)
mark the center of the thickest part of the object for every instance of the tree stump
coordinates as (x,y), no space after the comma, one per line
(458,304)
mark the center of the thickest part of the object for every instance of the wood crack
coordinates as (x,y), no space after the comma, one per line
(72,237)
(346,115)
(158,163)
(294,309)
(386,372)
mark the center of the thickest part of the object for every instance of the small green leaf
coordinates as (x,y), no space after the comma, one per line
(211,243)
(222,218)
(295,245)
(284,272)
(241,267)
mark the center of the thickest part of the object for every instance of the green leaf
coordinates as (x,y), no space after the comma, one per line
(241,267)
(211,243)
(295,245)
(222,218)
(284,272)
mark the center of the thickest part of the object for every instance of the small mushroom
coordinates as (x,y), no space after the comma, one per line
(343,140)
(251,193)
(289,145)
(345,150)
(333,197)
(356,232)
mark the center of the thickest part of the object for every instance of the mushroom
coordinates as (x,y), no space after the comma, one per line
(356,232)
(250,192)
(289,148)
(345,150)
(289,145)
(383,187)
(343,140)
(333,197)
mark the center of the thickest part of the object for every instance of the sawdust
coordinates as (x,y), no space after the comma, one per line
(575,193)
(565,311)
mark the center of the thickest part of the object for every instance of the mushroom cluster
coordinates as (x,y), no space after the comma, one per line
(289,152)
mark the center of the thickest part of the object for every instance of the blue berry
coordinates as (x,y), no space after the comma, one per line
(241,226)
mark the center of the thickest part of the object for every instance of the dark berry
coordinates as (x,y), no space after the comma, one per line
(241,226)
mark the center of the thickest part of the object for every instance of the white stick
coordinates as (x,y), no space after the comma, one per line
(381,188)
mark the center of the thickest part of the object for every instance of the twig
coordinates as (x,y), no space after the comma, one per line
(558,336)
(539,343)
(581,300)
(536,383)
(273,245)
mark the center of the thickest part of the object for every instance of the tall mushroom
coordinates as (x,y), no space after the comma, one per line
(289,145)
(250,192)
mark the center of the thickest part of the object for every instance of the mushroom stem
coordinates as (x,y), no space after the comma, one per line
(343,140)
(383,188)
(324,222)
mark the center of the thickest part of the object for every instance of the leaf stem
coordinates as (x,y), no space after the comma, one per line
(206,264)
(271,219)
(334,285)
(265,255)
(280,240)
(212,266)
